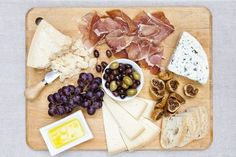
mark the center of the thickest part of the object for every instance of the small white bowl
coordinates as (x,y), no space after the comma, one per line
(136,68)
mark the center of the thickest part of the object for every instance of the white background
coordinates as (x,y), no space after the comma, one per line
(12,77)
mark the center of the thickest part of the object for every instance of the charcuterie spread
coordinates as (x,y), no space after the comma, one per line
(116,64)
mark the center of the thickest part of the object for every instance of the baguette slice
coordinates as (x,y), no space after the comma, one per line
(129,125)
(172,130)
(135,107)
(114,141)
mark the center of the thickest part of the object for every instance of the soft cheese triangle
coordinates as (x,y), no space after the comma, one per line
(189,59)
(47,40)
(114,141)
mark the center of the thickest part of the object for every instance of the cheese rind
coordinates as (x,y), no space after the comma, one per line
(189,59)
(129,125)
(47,40)
(114,141)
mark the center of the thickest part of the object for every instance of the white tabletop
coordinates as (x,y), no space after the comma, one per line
(12,77)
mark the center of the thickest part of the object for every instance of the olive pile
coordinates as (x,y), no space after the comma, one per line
(121,79)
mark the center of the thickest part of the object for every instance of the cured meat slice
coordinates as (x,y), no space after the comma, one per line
(85,28)
(117,41)
(147,30)
(141,18)
(133,51)
(118,13)
(107,25)
(121,54)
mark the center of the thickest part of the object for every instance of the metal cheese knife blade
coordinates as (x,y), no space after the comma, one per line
(33,91)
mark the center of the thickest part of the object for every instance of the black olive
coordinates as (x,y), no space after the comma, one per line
(128,66)
(107,84)
(108,71)
(131,76)
(119,77)
(137,82)
(98,68)
(122,96)
(112,77)
(119,83)
(115,72)
(115,93)
(104,64)
(135,85)
(96,53)
(105,76)
(128,71)
(108,53)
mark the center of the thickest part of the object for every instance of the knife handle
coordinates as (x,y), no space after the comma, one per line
(33,91)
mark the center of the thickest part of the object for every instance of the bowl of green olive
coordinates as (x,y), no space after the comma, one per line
(122,79)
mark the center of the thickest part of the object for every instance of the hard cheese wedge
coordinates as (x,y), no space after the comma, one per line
(135,107)
(47,40)
(189,59)
(150,107)
(115,143)
(149,134)
(129,125)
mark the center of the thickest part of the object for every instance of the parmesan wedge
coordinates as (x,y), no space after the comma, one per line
(129,125)
(150,107)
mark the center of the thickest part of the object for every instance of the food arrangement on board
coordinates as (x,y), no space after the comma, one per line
(111,81)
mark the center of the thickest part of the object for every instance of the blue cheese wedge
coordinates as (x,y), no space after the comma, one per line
(189,59)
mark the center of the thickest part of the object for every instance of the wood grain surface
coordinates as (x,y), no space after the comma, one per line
(196,20)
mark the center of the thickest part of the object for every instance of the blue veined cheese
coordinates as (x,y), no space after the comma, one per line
(189,59)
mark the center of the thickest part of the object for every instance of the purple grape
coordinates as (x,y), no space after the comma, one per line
(98,80)
(50,105)
(89,94)
(83,76)
(72,88)
(57,97)
(76,99)
(81,83)
(64,99)
(85,104)
(51,111)
(97,104)
(78,90)
(71,103)
(61,110)
(90,77)
(68,109)
(91,110)
(93,86)
(51,98)
(66,90)
(60,91)
(99,93)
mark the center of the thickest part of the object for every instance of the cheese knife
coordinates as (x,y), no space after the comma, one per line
(33,91)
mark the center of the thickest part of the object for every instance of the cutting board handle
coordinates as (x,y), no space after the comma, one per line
(33,91)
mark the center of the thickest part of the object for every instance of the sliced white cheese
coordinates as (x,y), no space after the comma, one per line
(189,59)
(129,125)
(148,135)
(114,141)
(150,107)
(135,107)
(47,40)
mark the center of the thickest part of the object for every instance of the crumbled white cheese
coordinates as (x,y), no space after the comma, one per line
(71,60)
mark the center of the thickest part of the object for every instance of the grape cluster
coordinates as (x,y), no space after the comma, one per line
(87,95)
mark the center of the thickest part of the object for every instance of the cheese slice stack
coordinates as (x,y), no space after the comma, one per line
(47,41)
(189,59)
(125,125)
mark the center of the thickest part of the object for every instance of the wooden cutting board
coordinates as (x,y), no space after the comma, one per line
(196,20)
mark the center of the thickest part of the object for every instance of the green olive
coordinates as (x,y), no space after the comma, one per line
(113,86)
(136,75)
(125,86)
(114,65)
(131,92)
(127,80)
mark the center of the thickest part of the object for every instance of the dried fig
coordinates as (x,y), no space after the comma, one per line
(173,105)
(165,75)
(156,93)
(190,90)
(162,103)
(158,83)
(172,85)
(177,97)
(157,114)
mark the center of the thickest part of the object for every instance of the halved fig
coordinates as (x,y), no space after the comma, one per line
(157,114)
(173,105)
(165,75)
(156,93)
(158,83)
(172,85)
(162,103)
(177,97)
(190,90)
